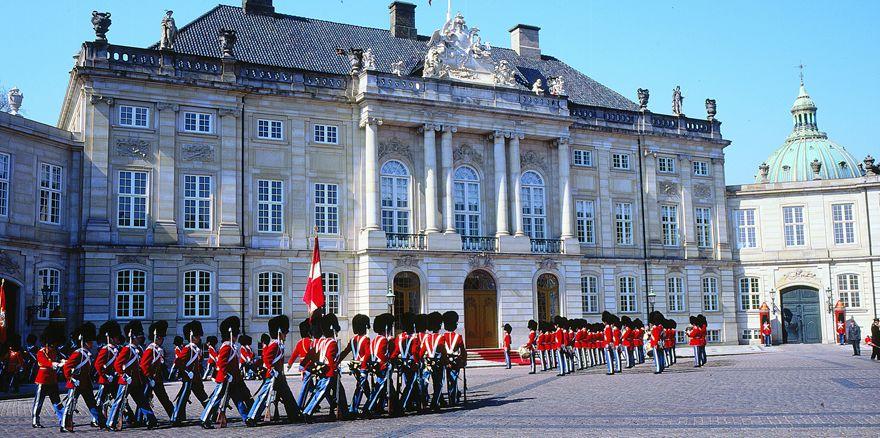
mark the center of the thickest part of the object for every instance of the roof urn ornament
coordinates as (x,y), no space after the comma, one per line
(397,68)
(816,167)
(355,59)
(644,95)
(369,60)
(764,171)
(14,97)
(457,51)
(556,85)
(101,23)
(169,32)
(227,42)
(677,99)
(870,169)
(505,74)
(711,109)
(538,87)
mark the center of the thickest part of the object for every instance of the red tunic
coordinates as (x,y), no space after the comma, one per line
(694,336)
(615,333)
(189,359)
(153,361)
(227,363)
(558,339)
(47,358)
(656,333)
(327,350)
(104,363)
(246,355)
(669,342)
(703,331)
(273,358)
(77,366)
(126,364)
(14,362)
(626,338)
(379,350)
(532,340)
(212,355)
(301,350)
(400,346)
(841,328)
(506,341)
(766,330)
(608,339)
(361,350)
(638,337)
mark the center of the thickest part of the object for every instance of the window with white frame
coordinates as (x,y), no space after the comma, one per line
(626,290)
(585,215)
(270,206)
(327,208)
(751,334)
(749,294)
(331,292)
(669,224)
(270,294)
(395,197)
(675,297)
(50,280)
(50,193)
(197,202)
(620,162)
(532,198)
(623,223)
(681,337)
(134,116)
(713,336)
(710,294)
(848,289)
(131,294)
(200,123)
(746,230)
(665,164)
(582,157)
(197,292)
(132,199)
(270,129)
(4,184)
(703,221)
(466,196)
(701,168)
(844,224)
(328,134)
(590,294)
(793,218)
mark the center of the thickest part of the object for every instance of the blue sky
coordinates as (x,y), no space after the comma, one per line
(743,53)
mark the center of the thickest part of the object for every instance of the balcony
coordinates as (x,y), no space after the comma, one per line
(479,243)
(405,241)
(547,246)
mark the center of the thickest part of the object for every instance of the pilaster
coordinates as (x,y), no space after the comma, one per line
(230,178)
(164,227)
(97,152)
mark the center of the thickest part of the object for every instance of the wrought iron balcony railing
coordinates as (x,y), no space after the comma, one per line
(405,241)
(479,243)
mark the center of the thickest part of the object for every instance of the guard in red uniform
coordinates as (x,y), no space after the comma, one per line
(693,333)
(274,385)
(655,321)
(304,351)
(531,344)
(246,357)
(766,332)
(153,367)
(359,347)
(432,351)
(456,357)
(380,364)
(626,340)
(669,341)
(639,340)
(542,345)
(841,330)
(78,372)
(9,379)
(211,357)
(130,380)
(704,330)
(421,328)
(111,334)
(174,374)
(505,344)
(608,343)
(189,362)
(230,384)
(405,359)
(47,374)
(326,369)
(617,335)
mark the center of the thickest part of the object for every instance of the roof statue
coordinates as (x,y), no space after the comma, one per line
(677,98)
(644,95)
(538,87)
(369,60)
(14,97)
(457,52)
(557,85)
(397,68)
(169,32)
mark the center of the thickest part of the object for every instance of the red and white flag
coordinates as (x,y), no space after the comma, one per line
(3,320)
(314,294)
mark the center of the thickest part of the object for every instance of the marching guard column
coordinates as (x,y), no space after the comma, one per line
(372,235)
(449,240)
(569,242)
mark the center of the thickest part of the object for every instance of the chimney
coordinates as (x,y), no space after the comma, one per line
(524,40)
(258,7)
(403,20)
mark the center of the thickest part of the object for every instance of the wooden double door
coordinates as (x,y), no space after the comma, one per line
(801,316)
(480,311)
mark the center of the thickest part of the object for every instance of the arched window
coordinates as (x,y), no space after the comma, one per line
(533,213)
(395,197)
(467,201)
(270,294)
(131,294)
(548,297)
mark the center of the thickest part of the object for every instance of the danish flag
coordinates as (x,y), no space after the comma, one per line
(3,311)
(314,294)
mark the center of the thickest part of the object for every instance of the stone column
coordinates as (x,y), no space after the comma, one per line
(687,229)
(371,173)
(564,187)
(501,227)
(230,178)
(165,228)
(516,184)
(97,152)
(446,151)
(431,211)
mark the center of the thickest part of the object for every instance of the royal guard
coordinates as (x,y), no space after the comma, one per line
(211,357)
(325,368)
(359,346)
(655,321)
(304,351)
(542,345)
(230,384)
(78,372)
(421,327)
(456,357)
(189,362)
(380,365)
(608,342)
(246,357)
(130,380)
(693,333)
(639,340)
(704,330)
(274,385)
(626,340)
(30,357)
(111,334)
(669,326)
(404,357)
(617,335)
(841,330)
(766,332)
(558,340)
(9,379)
(432,351)
(531,344)
(505,344)
(47,374)
(178,347)
(265,340)
(153,367)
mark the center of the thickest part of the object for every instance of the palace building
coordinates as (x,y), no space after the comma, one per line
(187,180)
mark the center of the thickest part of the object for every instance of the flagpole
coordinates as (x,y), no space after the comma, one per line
(448,10)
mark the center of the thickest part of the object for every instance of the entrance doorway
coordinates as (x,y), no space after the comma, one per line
(11,290)
(548,297)
(801,316)
(480,310)
(407,295)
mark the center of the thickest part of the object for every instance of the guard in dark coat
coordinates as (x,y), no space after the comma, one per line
(230,383)
(78,372)
(274,385)
(153,367)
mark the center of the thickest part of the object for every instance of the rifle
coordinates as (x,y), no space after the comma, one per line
(268,415)
(124,397)
(221,416)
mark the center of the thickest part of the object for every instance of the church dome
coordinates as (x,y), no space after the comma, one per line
(807,153)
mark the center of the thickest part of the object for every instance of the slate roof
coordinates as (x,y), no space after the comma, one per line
(304,43)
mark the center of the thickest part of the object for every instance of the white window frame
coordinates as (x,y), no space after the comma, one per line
(198,287)
(270,294)
(749,294)
(582,157)
(621,161)
(676,298)
(139,117)
(585,221)
(623,223)
(669,224)
(198,122)
(5,173)
(50,183)
(270,129)
(326,208)
(681,337)
(52,278)
(533,196)
(627,295)
(467,201)
(395,198)
(666,164)
(701,168)
(710,294)
(130,197)
(270,206)
(843,218)
(713,336)
(332,292)
(794,225)
(703,222)
(848,290)
(750,334)
(197,206)
(590,294)
(746,228)
(131,287)
(325,134)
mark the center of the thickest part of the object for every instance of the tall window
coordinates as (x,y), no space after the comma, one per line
(582,157)
(590,294)
(327,208)
(713,336)
(703,221)
(134,116)
(50,194)
(200,123)
(848,288)
(665,164)
(844,223)
(270,206)
(669,224)
(534,215)
(197,202)
(270,294)
(131,294)
(328,134)
(50,279)
(793,218)
(586,221)
(623,222)
(620,161)
(467,201)
(710,294)
(395,197)
(675,298)
(701,168)
(331,291)
(197,291)
(745,229)
(749,294)
(4,184)
(270,129)
(132,199)
(626,290)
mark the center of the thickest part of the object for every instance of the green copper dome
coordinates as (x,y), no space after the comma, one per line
(807,153)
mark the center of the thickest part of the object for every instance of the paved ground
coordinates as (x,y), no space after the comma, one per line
(810,390)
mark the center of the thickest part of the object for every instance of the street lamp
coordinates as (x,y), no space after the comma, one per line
(652,298)
(828,297)
(773,302)
(389,297)
(31,311)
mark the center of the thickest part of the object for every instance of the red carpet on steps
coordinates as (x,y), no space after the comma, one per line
(495,355)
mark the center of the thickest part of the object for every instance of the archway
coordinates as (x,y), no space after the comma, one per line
(801,315)
(12,321)
(480,310)
(407,295)
(548,297)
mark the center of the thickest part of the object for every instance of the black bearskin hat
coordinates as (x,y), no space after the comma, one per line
(305,329)
(533,325)
(607,317)
(315,325)
(421,321)
(245,340)
(158,329)
(360,323)
(265,339)
(110,329)
(212,340)
(701,319)
(626,321)
(382,323)
(329,325)
(178,341)
(435,321)
(86,332)
(408,322)
(507,328)
(673,324)
(230,327)
(53,334)
(655,318)
(193,328)
(280,323)
(693,320)
(637,323)
(134,329)
(450,320)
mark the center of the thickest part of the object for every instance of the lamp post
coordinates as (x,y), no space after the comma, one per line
(389,297)
(828,297)
(32,310)
(652,298)
(773,302)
